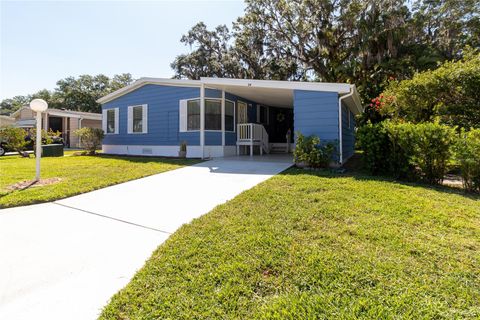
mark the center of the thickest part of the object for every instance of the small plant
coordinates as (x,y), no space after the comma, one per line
(182,153)
(91,139)
(14,138)
(467,154)
(309,152)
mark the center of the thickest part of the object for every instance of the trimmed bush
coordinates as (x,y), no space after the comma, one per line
(91,138)
(14,138)
(467,154)
(407,150)
(310,152)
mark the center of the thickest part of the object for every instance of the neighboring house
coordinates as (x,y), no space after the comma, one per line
(221,117)
(65,121)
(6,121)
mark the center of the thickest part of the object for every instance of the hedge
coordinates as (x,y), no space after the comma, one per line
(406,150)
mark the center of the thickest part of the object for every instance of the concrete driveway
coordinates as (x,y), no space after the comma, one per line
(65,259)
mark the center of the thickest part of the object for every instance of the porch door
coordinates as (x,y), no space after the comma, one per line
(242,112)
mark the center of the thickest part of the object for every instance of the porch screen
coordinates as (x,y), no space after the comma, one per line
(213,115)
(193,115)
(229,116)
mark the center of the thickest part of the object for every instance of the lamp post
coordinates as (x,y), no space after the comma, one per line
(38,106)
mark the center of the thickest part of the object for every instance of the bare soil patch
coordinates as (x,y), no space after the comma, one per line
(32,183)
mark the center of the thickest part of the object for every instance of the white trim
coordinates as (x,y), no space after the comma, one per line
(202,119)
(169,151)
(223,118)
(104,120)
(277,84)
(117,120)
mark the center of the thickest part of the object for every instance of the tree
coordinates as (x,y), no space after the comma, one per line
(449,94)
(91,138)
(79,94)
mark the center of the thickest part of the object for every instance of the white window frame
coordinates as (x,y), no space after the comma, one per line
(105,120)
(144,119)
(223,115)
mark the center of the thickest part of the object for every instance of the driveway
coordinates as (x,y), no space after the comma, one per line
(65,259)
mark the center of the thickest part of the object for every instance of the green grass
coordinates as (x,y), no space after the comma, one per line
(79,174)
(306,245)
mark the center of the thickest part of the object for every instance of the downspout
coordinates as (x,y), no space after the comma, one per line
(340,134)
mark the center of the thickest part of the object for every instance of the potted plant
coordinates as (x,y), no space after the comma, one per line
(182,153)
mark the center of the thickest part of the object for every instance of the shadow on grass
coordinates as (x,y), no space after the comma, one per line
(364,176)
(147,159)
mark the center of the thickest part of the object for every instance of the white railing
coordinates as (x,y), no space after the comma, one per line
(253,134)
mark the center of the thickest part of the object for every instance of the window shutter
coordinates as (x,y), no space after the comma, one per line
(183,114)
(104,120)
(130,120)
(116,120)
(145,118)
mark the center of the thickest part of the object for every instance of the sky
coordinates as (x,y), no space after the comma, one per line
(42,42)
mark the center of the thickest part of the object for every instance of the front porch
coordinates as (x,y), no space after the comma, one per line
(254,136)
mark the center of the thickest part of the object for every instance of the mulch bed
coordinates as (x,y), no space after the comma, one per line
(32,183)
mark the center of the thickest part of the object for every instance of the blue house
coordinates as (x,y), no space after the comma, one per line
(219,117)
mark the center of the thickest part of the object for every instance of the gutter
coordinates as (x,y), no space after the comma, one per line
(340,144)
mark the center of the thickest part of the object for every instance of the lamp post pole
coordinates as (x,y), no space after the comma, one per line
(38,152)
(38,106)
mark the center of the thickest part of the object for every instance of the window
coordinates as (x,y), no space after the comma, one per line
(193,115)
(137,119)
(229,116)
(111,121)
(213,115)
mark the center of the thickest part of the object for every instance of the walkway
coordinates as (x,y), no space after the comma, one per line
(65,259)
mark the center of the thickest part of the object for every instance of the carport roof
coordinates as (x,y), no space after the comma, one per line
(267,92)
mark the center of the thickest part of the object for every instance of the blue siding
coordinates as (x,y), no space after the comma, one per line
(348,133)
(316,113)
(163,102)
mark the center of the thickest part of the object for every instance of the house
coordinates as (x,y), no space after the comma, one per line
(6,121)
(65,121)
(219,117)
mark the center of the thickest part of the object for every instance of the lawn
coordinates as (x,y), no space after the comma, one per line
(307,245)
(78,174)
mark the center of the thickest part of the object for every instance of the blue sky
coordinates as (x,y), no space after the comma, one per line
(44,41)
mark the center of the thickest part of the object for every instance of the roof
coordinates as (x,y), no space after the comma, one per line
(268,92)
(66,113)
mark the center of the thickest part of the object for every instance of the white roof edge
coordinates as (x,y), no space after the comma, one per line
(278,84)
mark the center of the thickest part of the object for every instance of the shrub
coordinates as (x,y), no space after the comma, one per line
(311,152)
(407,150)
(14,138)
(48,137)
(432,149)
(467,154)
(91,138)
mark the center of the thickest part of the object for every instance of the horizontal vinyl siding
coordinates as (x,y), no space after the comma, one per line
(316,113)
(348,134)
(163,102)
